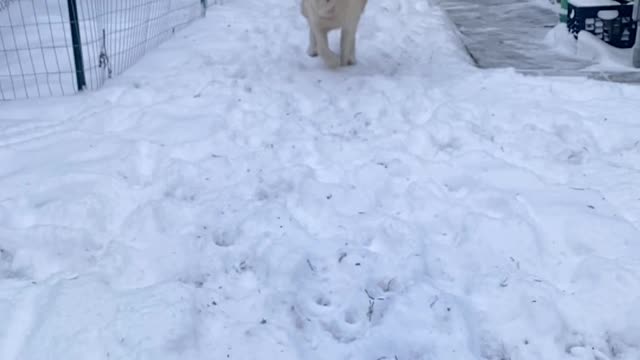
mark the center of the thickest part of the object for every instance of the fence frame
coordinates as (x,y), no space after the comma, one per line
(76,43)
(85,47)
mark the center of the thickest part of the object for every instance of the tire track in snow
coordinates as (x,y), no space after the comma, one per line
(29,132)
(15,132)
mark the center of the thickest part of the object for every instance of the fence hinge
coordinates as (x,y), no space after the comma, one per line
(103,60)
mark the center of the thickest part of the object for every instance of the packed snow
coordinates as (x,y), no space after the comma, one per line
(231,198)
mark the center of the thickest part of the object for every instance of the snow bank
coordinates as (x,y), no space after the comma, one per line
(590,47)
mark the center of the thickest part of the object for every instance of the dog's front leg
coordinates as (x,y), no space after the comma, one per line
(348,46)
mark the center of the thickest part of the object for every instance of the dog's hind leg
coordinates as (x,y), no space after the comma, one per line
(313,45)
(322,45)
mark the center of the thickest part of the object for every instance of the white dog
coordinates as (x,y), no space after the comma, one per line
(326,15)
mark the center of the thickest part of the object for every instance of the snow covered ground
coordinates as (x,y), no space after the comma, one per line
(230,198)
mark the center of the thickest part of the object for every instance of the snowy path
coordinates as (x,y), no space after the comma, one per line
(512,34)
(229,197)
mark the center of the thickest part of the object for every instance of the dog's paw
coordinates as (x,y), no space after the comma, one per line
(332,61)
(312,51)
(349,61)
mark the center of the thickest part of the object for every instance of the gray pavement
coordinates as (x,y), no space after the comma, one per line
(510,33)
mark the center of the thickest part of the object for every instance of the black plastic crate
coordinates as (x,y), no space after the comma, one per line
(613,24)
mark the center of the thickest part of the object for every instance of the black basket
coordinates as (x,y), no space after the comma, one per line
(618,31)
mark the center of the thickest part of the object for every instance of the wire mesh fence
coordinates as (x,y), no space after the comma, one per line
(4,4)
(58,47)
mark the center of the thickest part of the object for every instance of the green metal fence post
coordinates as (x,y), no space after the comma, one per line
(564,5)
(77,44)
(636,46)
(204,4)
